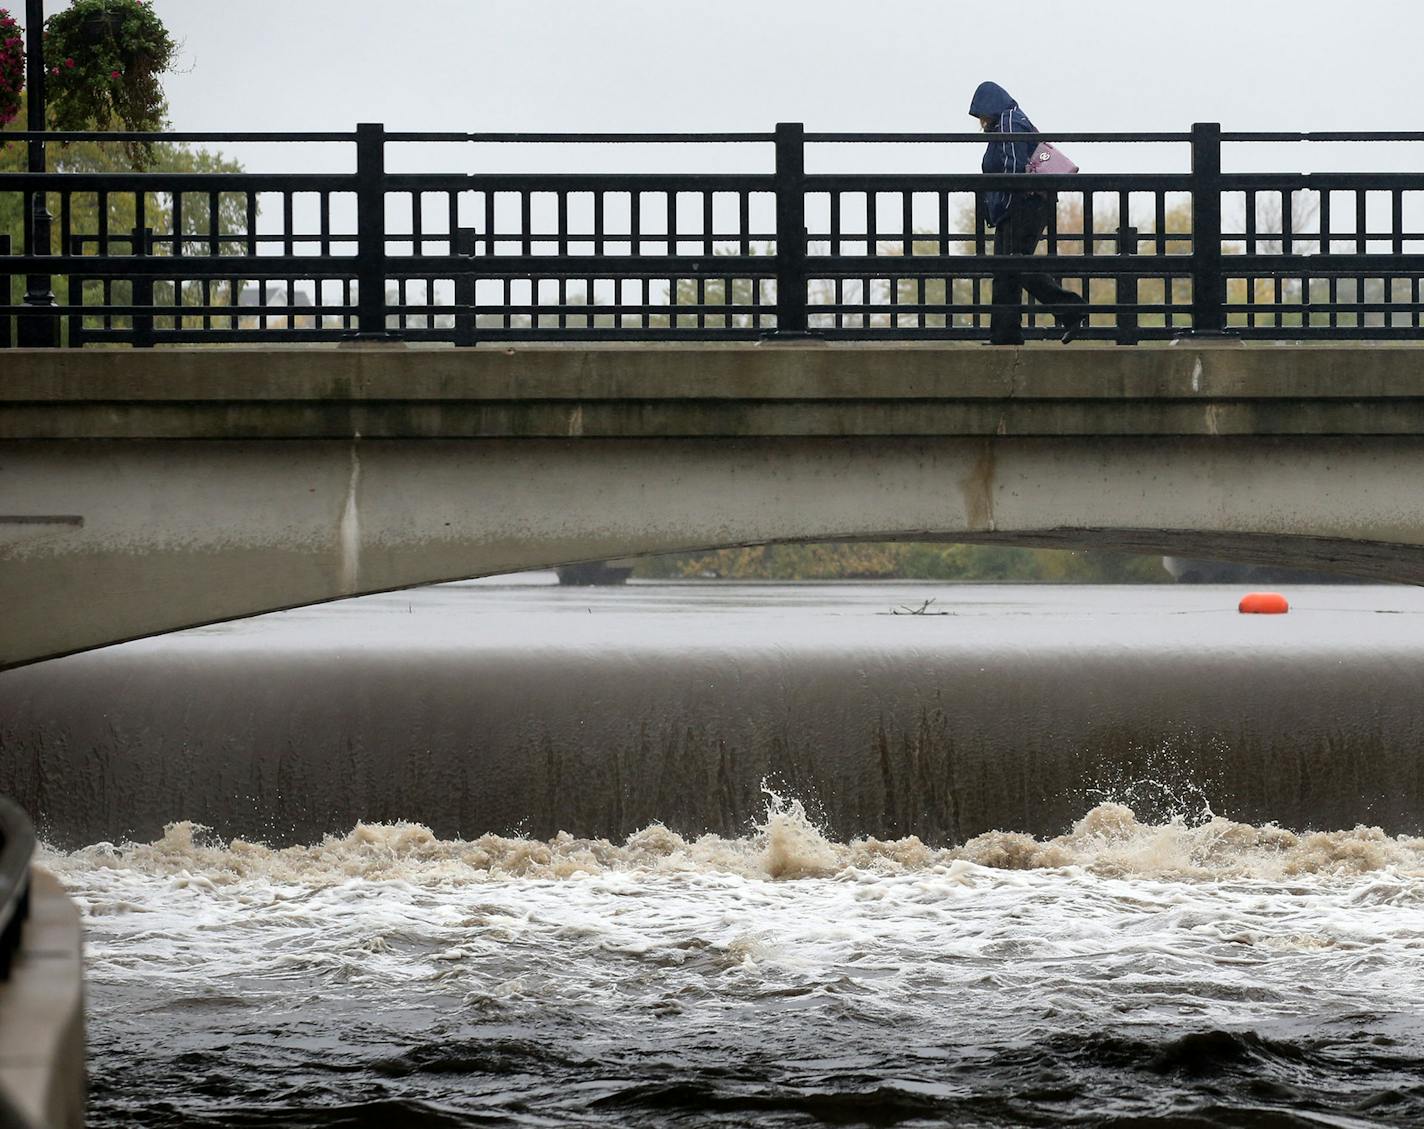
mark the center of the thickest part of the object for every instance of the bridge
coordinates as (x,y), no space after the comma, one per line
(150,491)
(430,376)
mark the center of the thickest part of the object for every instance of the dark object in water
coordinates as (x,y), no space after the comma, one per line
(592,573)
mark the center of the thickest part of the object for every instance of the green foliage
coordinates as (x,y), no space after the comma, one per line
(12,67)
(105,58)
(909,561)
(121,208)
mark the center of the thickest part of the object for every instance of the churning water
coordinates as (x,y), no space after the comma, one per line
(1218,974)
(1183,968)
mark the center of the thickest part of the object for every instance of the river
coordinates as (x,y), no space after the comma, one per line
(974,855)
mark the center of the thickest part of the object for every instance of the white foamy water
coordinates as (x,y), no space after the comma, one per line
(1193,969)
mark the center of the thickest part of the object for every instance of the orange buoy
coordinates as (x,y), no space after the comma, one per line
(1263,603)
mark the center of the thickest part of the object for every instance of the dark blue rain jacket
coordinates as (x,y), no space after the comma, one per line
(990,100)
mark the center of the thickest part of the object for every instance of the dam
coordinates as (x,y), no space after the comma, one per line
(533,709)
(683,853)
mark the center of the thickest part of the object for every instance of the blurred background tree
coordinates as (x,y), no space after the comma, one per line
(122,211)
(909,560)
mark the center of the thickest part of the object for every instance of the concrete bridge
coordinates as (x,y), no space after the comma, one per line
(143,492)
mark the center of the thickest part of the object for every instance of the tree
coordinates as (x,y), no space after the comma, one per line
(122,211)
(908,560)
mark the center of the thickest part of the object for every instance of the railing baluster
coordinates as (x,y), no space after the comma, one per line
(77,283)
(708,224)
(598,250)
(1127,291)
(1251,249)
(465,290)
(562,247)
(976,319)
(7,293)
(1326,247)
(65,218)
(142,286)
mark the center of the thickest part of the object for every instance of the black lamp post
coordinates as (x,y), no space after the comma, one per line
(38,330)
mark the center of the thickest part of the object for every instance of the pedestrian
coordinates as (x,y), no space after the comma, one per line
(1019,220)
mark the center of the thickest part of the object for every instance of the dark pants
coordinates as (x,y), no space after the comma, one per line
(1019,234)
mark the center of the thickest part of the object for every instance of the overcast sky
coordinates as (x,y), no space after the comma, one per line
(744,65)
(735,65)
(487,65)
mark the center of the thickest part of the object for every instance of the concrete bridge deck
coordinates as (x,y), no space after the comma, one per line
(711,391)
(146,491)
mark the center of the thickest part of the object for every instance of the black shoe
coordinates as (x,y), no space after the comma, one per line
(1073,328)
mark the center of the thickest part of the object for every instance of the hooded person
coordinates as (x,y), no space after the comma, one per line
(1019,220)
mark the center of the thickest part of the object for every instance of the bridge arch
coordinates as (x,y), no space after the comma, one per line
(173,534)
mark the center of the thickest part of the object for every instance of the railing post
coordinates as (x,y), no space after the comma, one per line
(371,230)
(790,229)
(1127,289)
(143,291)
(465,289)
(39,330)
(1208,284)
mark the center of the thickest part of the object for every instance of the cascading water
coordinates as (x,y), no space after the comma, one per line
(517,856)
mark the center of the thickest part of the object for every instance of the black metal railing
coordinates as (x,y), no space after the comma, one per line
(157,258)
(17,848)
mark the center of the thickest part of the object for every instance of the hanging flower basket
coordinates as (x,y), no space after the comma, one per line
(12,67)
(104,59)
(101,26)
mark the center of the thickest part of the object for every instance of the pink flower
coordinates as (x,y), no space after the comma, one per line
(69,63)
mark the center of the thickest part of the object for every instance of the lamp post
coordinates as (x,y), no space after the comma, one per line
(38,330)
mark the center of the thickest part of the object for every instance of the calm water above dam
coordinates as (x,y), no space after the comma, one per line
(519,855)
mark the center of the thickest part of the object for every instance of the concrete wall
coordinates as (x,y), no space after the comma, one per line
(42,1074)
(141,493)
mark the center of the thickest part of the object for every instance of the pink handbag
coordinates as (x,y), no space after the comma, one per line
(1048,159)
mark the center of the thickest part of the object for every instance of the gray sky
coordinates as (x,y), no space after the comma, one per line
(836,65)
(737,65)
(889,64)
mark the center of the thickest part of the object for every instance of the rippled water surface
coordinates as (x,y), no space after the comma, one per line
(1175,971)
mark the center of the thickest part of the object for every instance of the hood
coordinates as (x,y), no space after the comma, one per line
(990,100)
